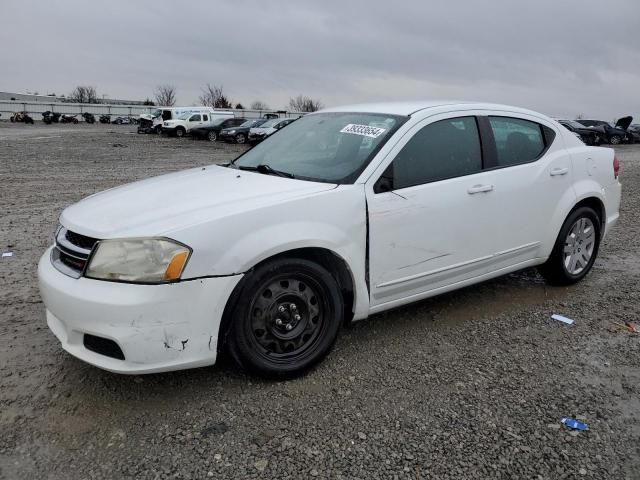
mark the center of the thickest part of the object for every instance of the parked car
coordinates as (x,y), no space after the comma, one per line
(68,118)
(345,213)
(105,118)
(122,120)
(210,132)
(259,133)
(21,117)
(185,122)
(89,117)
(613,135)
(587,135)
(240,133)
(634,131)
(50,117)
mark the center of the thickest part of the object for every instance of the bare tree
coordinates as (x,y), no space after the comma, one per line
(213,96)
(83,94)
(302,103)
(579,116)
(165,95)
(259,105)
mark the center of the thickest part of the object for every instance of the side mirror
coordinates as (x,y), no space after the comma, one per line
(385,182)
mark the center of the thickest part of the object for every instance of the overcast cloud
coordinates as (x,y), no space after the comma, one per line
(559,57)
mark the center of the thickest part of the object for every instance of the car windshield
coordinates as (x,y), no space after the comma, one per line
(253,123)
(268,123)
(324,147)
(573,123)
(156,113)
(219,121)
(185,116)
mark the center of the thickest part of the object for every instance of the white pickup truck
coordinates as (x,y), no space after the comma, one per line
(196,117)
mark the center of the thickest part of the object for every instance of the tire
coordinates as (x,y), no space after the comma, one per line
(241,138)
(157,130)
(615,140)
(283,318)
(212,136)
(12,120)
(75,120)
(575,250)
(180,132)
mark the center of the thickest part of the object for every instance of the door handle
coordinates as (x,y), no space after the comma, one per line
(479,189)
(559,171)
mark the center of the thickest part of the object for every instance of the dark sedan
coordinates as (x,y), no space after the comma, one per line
(613,135)
(211,132)
(240,133)
(587,135)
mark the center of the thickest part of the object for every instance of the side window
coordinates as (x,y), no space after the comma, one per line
(517,141)
(195,118)
(205,118)
(445,149)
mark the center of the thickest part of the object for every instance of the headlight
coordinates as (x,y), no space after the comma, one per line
(231,132)
(138,260)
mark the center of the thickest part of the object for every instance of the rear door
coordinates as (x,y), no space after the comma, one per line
(533,175)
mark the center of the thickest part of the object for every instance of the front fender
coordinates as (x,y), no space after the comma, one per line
(334,220)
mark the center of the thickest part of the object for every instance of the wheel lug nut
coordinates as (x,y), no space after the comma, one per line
(281,309)
(278,322)
(297,318)
(293,307)
(288,327)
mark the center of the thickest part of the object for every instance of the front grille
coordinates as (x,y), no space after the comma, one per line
(71,252)
(103,346)
(80,240)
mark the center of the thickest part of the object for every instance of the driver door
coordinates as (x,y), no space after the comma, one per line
(430,212)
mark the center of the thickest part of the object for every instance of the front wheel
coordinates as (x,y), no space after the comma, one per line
(180,132)
(284,319)
(212,136)
(575,250)
(241,138)
(615,140)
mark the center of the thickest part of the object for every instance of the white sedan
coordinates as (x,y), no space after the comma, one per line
(345,213)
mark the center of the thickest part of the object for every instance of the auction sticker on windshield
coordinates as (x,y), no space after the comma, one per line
(363,130)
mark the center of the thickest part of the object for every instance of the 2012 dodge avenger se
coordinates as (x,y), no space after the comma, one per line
(346,212)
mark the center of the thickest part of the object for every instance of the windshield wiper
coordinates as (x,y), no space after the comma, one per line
(267,170)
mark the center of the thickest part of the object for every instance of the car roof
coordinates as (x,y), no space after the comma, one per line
(409,108)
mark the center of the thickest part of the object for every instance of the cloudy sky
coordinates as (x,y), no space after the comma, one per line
(559,57)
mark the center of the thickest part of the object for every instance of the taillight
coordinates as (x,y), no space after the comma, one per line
(616,167)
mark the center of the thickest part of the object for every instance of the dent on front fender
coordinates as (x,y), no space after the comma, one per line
(334,220)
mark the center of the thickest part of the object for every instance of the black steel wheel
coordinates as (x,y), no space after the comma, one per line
(285,318)
(241,138)
(212,136)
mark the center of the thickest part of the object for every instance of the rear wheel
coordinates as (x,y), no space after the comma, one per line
(615,140)
(180,132)
(212,136)
(575,250)
(285,318)
(241,138)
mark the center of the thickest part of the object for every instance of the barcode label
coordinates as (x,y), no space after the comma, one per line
(363,130)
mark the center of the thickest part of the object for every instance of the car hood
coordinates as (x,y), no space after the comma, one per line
(168,203)
(624,122)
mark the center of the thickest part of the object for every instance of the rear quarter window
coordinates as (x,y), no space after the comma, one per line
(519,141)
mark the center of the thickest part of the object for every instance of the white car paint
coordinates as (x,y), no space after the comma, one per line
(479,226)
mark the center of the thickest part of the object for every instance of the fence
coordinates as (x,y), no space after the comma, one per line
(7,107)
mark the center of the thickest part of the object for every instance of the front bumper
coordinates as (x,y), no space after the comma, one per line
(159,328)
(255,138)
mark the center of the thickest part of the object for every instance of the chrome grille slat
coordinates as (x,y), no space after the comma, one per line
(70,254)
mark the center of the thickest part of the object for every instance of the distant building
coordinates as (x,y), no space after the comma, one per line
(53,98)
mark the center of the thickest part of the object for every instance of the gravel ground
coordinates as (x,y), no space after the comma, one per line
(469,384)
